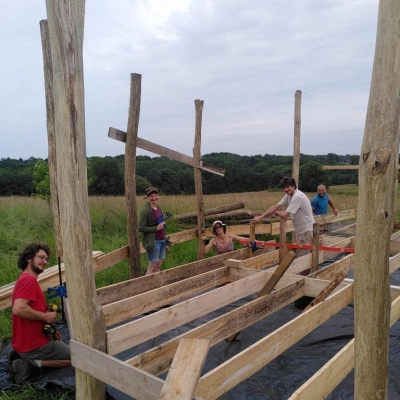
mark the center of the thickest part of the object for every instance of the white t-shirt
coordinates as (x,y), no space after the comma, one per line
(300,209)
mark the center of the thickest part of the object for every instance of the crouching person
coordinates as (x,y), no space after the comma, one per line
(33,348)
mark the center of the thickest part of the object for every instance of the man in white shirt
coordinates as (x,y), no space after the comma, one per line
(299,208)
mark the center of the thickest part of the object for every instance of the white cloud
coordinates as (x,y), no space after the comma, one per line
(245,60)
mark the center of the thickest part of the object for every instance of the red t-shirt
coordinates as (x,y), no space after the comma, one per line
(27,334)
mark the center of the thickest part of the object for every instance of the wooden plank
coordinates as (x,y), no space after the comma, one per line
(315,248)
(273,280)
(394,246)
(210,211)
(298,265)
(164,151)
(336,369)
(185,370)
(138,331)
(347,166)
(158,359)
(129,380)
(240,367)
(256,262)
(329,273)
(327,290)
(277,274)
(122,290)
(394,263)
(144,302)
(108,260)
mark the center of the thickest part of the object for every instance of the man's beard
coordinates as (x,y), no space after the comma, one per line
(36,269)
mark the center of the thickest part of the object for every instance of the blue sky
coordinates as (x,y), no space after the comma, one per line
(244,59)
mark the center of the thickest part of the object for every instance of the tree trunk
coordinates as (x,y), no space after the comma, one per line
(375,213)
(66,22)
(130,176)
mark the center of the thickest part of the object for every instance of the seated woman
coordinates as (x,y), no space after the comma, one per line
(222,242)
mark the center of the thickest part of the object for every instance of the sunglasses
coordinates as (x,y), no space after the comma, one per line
(218,226)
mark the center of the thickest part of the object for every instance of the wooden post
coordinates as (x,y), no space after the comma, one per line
(252,236)
(375,211)
(48,85)
(297,128)
(282,239)
(315,248)
(66,23)
(130,176)
(197,177)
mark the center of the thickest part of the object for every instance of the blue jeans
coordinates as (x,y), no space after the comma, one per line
(158,252)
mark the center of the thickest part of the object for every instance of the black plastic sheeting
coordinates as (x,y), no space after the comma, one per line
(277,380)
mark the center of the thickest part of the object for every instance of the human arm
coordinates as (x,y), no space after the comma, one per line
(207,247)
(335,210)
(22,309)
(238,238)
(270,211)
(282,214)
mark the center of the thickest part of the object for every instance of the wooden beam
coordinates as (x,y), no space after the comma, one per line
(181,381)
(167,294)
(122,290)
(273,280)
(296,136)
(336,369)
(256,262)
(164,151)
(240,367)
(327,290)
(125,336)
(277,274)
(330,167)
(158,359)
(130,380)
(130,175)
(210,211)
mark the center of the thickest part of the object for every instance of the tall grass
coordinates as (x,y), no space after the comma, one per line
(25,220)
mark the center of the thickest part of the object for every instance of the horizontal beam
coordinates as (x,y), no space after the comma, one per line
(164,151)
(330,167)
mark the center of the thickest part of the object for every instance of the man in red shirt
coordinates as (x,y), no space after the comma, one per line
(29,315)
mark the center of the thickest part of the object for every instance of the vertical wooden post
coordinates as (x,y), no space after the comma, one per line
(377,194)
(48,85)
(252,236)
(297,128)
(130,176)
(282,239)
(315,249)
(197,177)
(66,23)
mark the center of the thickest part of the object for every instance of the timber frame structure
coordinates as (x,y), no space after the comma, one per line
(109,320)
(198,288)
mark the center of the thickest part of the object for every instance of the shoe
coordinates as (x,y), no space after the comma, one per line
(22,370)
(12,356)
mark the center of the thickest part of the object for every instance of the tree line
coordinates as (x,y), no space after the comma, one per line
(243,174)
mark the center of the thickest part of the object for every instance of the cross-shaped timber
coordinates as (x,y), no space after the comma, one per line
(164,151)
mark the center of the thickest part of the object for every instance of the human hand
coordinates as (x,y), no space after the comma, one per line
(57,335)
(257,218)
(50,317)
(336,211)
(160,225)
